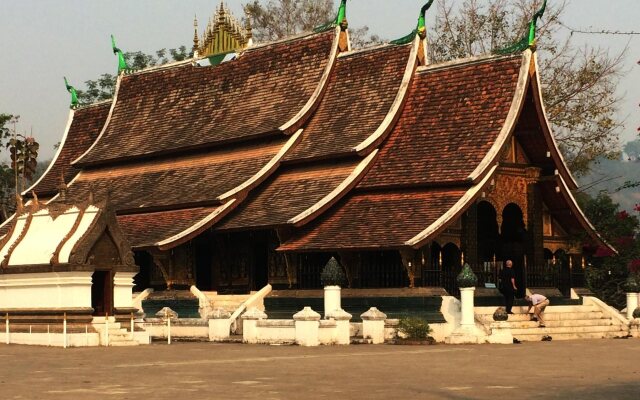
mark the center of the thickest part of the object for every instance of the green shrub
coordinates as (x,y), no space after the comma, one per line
(414,328)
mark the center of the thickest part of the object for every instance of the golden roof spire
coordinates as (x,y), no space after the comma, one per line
(223,34)
(196,44)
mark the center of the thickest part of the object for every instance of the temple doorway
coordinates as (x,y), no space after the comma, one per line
(512,238)
(488,235)
(102,293)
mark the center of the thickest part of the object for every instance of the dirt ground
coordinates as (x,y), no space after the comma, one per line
(546,370)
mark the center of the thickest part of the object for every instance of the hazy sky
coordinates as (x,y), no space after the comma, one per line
(44,40)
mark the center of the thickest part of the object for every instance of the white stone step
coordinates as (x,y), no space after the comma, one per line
(564,323)
(536,337)
(548,316)
(112,326)
(101,320)
(123,343)
(564,329)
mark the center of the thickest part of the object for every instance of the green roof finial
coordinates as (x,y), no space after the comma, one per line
(421,29)
(341,19)
(74,93)
(529,40)
(122,63)
(342,15)
(534,23)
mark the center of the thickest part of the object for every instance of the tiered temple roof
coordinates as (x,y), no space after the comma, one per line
(341,149)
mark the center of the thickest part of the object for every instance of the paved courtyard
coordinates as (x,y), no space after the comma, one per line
(564,370)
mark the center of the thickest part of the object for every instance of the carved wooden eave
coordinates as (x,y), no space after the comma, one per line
(295,123)
(503,140)
(452,214)
(58,152)
(69,244)
(105,223)
(552,145)
(376,138)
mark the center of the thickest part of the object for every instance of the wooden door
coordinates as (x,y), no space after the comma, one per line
(102,293)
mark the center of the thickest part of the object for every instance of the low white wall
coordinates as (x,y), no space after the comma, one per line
(46,290)
(327,332)
(159,329)
(53,339)
(276,331)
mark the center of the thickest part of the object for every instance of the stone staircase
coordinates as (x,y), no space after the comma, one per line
(562,323)
(118,336)
(228,302)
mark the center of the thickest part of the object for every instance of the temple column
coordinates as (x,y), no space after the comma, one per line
(535,226)
(469,242)
(411,265)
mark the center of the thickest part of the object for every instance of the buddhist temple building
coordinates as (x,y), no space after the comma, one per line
(256,169)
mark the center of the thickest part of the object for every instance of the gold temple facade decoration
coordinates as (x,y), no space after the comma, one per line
(223,34)
(511,186)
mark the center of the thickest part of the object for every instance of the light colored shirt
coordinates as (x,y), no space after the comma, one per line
(537,299)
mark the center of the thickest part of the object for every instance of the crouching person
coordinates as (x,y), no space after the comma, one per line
(538,302)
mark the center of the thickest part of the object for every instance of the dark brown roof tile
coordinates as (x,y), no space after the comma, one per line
(452,118)
(187,106)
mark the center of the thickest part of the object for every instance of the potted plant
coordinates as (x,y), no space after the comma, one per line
(332,277)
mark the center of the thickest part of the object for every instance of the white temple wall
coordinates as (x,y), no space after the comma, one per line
(46,290)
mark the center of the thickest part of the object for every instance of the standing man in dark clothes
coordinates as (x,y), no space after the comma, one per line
(508,285)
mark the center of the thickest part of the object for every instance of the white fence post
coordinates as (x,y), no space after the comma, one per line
(373,325)
(64,330)
(106,329)
(6,327)
(168,330)
(307,327)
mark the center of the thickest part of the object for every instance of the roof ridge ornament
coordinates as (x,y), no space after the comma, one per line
(122,63)
(340,20)
(74,94)
(421,28)
(529,40)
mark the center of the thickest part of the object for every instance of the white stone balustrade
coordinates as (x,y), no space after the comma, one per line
(343,328)
(219,325)
(307,326)
(249,328)
(373,325)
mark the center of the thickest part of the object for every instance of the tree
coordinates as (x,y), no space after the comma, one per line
(607,271)
(104,87)
(278,19)
(23,150)
(579,83)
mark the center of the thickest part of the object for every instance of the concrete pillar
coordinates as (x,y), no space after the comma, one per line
(332,300)
(343,325)
(307,326)
(219,325)
(249,324)
(467,317)
(123,289)
(373,325)
(632,304)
